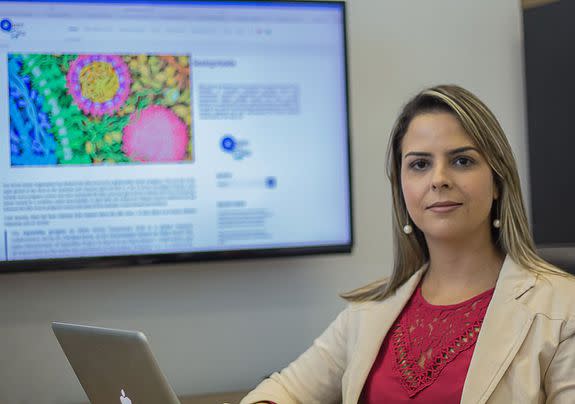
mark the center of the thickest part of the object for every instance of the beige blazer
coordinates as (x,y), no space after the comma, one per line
(525,352)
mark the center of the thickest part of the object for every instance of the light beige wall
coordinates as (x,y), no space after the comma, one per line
(222,326)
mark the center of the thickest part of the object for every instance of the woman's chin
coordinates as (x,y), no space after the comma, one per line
(447,234)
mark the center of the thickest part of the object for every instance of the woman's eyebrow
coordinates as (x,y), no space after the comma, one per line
(418,154)
(463,149)
(449,153)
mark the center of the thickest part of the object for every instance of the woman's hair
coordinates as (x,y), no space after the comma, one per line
(512,238)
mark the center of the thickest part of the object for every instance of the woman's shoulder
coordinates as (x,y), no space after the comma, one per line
(368,305)
(537,280)
(554,296)
(375,301)
(560,283)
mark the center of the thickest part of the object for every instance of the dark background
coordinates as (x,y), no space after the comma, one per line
(550,84)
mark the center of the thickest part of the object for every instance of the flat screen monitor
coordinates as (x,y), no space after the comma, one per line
(549,66)
(156,131)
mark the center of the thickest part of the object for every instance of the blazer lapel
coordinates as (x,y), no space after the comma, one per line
(373,329)
(504,328)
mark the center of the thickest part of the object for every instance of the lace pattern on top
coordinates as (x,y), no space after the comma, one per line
(425,338)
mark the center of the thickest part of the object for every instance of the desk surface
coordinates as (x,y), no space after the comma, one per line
(232,398)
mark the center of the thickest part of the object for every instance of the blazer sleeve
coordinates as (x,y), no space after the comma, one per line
(314,377)
(560,376)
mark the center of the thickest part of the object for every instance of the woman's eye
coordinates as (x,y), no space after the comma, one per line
(418,165)
(463,161)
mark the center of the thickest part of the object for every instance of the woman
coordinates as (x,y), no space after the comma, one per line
(470,313)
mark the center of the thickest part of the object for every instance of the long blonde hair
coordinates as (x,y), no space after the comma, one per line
(512,238)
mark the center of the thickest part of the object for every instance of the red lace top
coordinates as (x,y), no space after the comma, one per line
(425,355)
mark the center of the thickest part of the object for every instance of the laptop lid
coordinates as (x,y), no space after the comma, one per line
(114,366)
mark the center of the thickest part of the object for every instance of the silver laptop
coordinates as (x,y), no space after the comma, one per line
(114,366)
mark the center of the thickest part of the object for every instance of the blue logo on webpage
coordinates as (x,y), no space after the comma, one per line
(238,149)
(7,26)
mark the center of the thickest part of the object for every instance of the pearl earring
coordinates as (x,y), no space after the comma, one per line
(497,222)
(407,229)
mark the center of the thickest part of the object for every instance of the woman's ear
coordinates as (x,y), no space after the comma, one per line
(495,190)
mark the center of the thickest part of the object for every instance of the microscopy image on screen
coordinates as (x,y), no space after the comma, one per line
(99,109)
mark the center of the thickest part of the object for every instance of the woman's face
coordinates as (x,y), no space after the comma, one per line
(447,184)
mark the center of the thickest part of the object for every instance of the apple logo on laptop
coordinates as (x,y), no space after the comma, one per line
(124,399)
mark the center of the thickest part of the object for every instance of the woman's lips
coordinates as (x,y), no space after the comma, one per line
(444,207)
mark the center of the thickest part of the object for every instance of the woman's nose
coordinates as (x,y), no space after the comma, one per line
(440,177)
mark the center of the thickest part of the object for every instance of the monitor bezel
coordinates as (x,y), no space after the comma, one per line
(112,261)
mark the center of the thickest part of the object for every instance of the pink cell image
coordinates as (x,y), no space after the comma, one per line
(155,134)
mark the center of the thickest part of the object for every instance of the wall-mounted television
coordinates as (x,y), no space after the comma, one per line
(162,131)
(549,66)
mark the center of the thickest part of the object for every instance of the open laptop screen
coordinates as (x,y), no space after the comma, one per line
(114,366)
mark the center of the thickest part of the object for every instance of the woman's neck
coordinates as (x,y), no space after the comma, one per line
(459,271)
